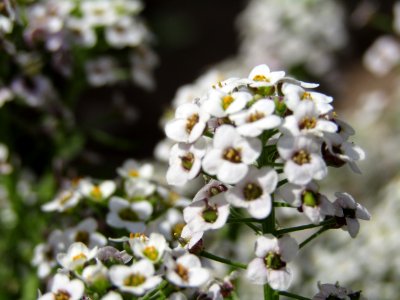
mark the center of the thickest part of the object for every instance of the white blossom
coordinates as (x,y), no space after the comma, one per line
(63,288)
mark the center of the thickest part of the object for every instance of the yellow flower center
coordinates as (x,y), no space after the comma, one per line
(255,117)
(308,123)
(79,256)
(176,230)
(134,280)
(301,157)
(133,173)
(261,78)
(96,192)
(233,155)
(151,253)
(227,101)
(65,197)
(187,161)
(191,122)
(306,96)
(62,295)
(182,272)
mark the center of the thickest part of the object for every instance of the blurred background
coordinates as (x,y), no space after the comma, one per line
(56,121)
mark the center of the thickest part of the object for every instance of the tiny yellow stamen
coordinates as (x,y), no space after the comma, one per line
(233,155)
(79,256)
(255,117)
(133,173)
(134,280)
(96,192)
(227,101)
(306,96)
(62,295)
(191,122)
(261,78)
(301,157)
(308,123)
(151,253)
(182,272)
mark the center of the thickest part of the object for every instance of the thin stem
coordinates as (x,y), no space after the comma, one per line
(256,229)
(282,182)
(313,236)
(303,227)
(151,294)
(222,260)
(243,220)
(269,293)
(293,296)
(283,204)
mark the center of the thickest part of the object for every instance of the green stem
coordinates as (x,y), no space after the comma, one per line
(313,236)
(243,220)
(283,204)
(150,294)
(256,229)
(222,260)
(293,296)
(303,227)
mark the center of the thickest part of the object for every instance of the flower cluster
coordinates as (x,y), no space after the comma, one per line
(256,139)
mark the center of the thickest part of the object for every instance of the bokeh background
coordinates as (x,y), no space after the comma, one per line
(336,43)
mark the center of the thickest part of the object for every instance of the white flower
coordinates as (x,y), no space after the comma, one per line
(207,214)
(95,274)
(294,95)
(382,56)
(253,192)
(136,279)
(220,104)
(188,125)
(262,76)
(98,13)
(81,32)
(64,200)
(189,239)
(5,95)
(172,225)
(112,296)
(308,200)
(44,256)
(77,255)
(302,159)
(338,154)
(129,215)
(186,271)
(97,192)
(231,154)
(5,167)
(134,170)
(211,189)
(348,211)
(256,119)
(85,232)
(101,71)
(125,32)
(139,188)
(152,248)
(269,266)
(306,120)
(335,291)
(185,162)
(63,288)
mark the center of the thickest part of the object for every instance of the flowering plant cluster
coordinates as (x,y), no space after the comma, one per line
(263,142)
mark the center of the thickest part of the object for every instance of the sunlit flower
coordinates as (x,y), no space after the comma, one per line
(270,264)
(186,271)
(152,248)
(77,255)
(230,155)
(97,192)
(135,279)
(63,288)
(262,76)
(134,170)
(66,199)
(85,232)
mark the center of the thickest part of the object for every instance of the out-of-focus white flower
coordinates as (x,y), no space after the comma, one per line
(97,192)
(81,32)
(85,232)
(95,274)
(66,199)
(382,56)
(261,76)
(112,296)
(231,154)
(185,161)
(5,95)
(152,248)
(172,225)
(35,91)
(136,279)
(63,288)
(253,192)
(349,211)
(186,271)
(98,13)
(134,170)
(102,71)
(272,256)
(125,32)
(77,255)
(129,215)
(5,167)
(188,125)
(302,158)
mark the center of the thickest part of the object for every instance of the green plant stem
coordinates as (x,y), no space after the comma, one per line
(283,204)
(222,260)
(256,229)
(313,236)
(294,296)
(243,220)
(151,294)
(303,227)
